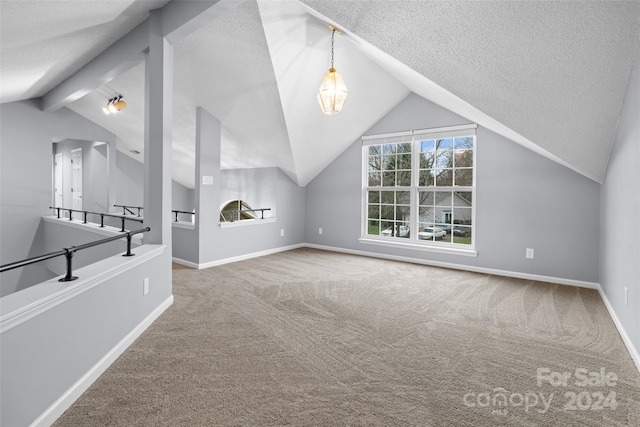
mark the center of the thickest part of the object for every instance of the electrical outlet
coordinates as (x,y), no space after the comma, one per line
(145,286)
(626,296)
(320,230)
(282,232)
(529,253)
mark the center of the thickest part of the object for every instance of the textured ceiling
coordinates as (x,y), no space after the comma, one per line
(553,71)
(44,42)
(549,75)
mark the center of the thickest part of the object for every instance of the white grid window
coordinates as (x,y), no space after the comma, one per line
(419,187)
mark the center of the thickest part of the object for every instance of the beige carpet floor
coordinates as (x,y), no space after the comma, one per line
(316,338)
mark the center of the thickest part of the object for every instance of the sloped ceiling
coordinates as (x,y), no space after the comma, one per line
(555,72)
(549,75)
(257,70)
(44,42)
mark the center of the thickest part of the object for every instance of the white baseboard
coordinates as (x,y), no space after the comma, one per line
(492,271)
(184,262)
(623,333)
(237,258)
(58,407)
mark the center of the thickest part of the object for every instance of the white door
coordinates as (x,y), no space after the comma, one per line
(76,181)
(57,184)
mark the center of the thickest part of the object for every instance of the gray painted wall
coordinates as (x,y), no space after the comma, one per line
(26,174)
(130,185)
(184,242)
(183,198)
(523,201)
(261,187)
(237,241)
(620,215)
(130,181)
(61,234)
(37,369)
(30,275)
(257,187)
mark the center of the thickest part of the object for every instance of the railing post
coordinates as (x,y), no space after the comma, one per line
(101,220)
(122,224)
(124,210)
(262,212)
(176,216)
(58,212)
(69,256)
(84,215)
(70,214)
(138,211)
(129,246)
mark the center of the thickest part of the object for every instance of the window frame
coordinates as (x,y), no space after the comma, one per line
(415,137)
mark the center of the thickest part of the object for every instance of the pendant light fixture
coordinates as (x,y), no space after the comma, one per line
(114,105)
(332,92)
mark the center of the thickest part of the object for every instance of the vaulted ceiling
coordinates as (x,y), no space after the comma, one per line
(548,75)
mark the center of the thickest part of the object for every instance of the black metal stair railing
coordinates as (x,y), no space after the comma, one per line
(176,212)
(68,254)
(127,209)
(102,216)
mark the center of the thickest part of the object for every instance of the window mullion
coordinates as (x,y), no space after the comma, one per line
(415,181)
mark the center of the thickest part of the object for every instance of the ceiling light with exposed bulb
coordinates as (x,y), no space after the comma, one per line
(114,105)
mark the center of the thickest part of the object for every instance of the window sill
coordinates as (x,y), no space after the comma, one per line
(418,246)
(246,222)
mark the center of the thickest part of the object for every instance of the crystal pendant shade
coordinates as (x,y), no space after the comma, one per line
(332,92)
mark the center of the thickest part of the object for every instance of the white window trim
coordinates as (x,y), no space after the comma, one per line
(414,243)
(419,245)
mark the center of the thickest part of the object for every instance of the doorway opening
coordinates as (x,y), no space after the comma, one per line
(81,176)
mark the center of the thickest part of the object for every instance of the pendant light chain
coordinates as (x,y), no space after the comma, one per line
(333,33)
(332,92)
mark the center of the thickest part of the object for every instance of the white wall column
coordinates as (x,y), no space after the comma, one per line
(112,180)
(157,134)
(208,131)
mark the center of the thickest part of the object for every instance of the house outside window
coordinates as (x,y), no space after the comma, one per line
(419,188)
